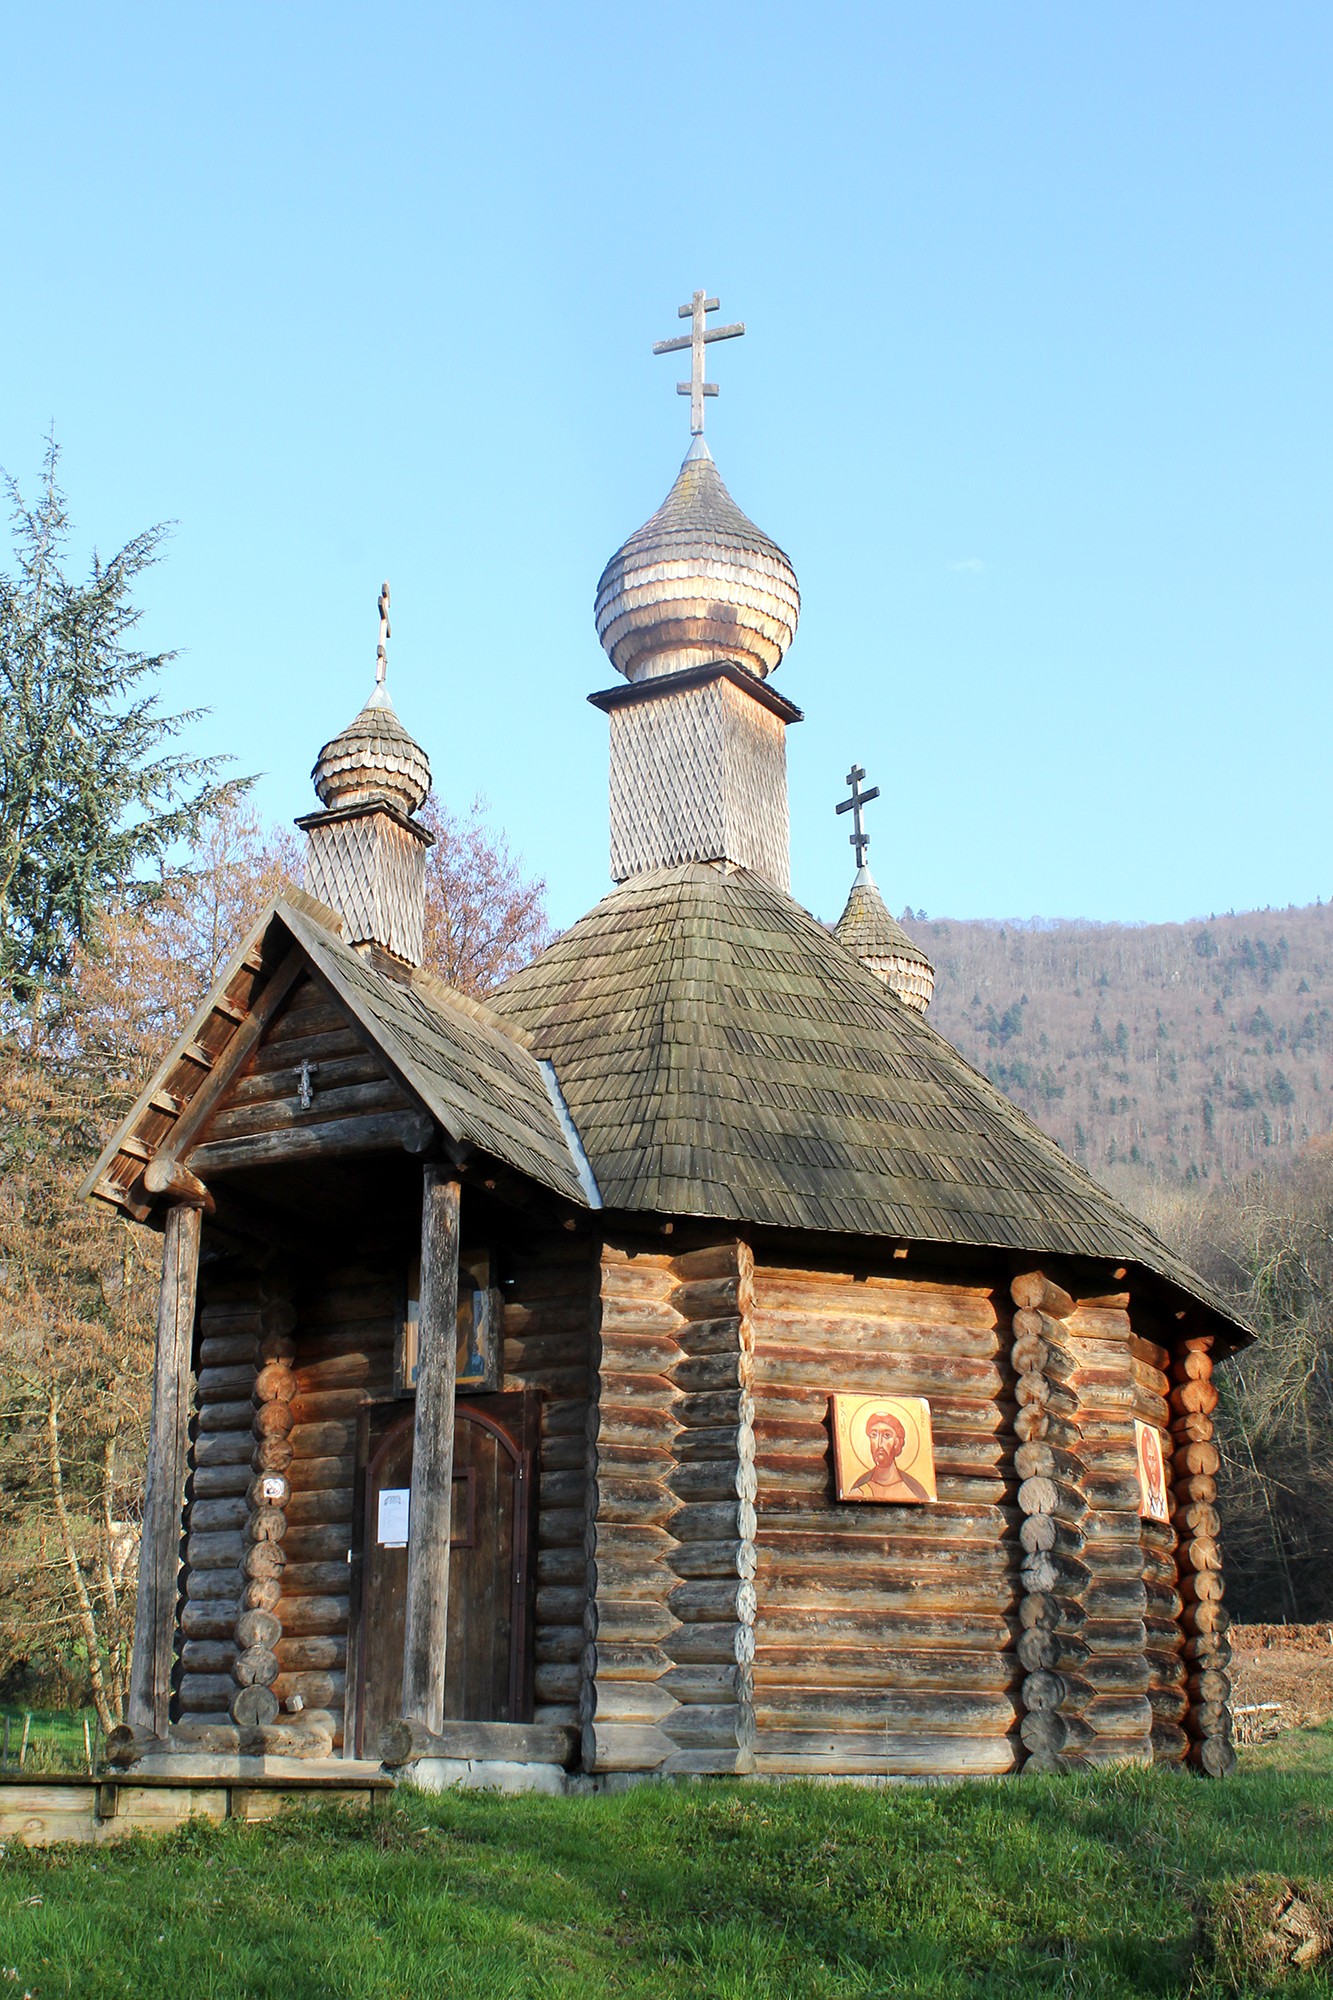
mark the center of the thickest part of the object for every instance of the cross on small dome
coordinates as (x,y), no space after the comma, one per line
(374,758)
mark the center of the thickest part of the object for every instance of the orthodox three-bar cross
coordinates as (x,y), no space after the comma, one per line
(860,839)
(696,339)
(382,650)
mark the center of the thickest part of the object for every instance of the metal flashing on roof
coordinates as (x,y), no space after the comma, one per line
(571,1132)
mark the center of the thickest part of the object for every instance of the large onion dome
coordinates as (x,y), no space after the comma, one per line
(880,942)
(374,758)
(698,582)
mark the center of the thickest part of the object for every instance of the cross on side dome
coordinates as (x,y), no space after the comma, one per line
(866,928)
(858,838)
(374,757)
(386,633)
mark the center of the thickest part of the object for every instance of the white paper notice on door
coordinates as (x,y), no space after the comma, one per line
(391,1528)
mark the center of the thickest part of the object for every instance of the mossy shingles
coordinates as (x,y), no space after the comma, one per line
(472,1073)
(771,1078)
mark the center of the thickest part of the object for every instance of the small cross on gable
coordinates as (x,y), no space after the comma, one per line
(696,339)
(859,839)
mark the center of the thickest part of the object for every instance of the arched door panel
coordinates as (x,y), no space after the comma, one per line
(488,1656)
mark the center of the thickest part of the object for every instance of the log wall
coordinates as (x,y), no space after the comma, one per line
(1111,1386)
(283,1370)
(1164,1637)
(1123,1623)
(346,1337)
(1204,1620)
(221,1448)
(667,1669)
(1051,1647)
(632,1427)
(884,1635)
(549,1310)
(714,1524)
(347,1083)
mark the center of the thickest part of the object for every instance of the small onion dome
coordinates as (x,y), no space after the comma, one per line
(698,582)
(880,942)
(373,758)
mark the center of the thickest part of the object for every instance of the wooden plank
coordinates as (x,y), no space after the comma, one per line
(336,1138)
(224,1064)
(276,1114)
(168,1457)
(511,1742)
(334,1045)
(431,1504)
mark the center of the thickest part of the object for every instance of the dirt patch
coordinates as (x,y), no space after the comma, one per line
(1253,1933)
(1281,1678)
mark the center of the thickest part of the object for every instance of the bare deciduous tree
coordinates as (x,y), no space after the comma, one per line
(484,917)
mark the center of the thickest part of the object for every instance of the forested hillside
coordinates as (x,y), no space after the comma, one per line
(1196,1050)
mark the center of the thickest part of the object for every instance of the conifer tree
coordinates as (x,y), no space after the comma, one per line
(93,797)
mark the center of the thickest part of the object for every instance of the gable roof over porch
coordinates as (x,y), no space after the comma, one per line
(472,1073)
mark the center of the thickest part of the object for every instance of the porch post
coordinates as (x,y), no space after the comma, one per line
(431,1505)
(164,1496)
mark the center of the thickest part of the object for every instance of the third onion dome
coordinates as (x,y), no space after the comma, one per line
(883,946)
(697,582)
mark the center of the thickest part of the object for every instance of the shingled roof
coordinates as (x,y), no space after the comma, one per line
(723,1056)
(475,1074)
(470,1070)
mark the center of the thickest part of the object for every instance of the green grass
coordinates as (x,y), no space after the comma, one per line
(1064,1887)
(1309,1750)
(55,1743)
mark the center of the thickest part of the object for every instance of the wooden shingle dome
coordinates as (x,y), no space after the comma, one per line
(871,934)
(697,582)
(373,758)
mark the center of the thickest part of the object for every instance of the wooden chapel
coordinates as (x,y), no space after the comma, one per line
(511,1356)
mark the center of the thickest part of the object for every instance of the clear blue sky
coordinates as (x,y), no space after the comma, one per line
(1036,393)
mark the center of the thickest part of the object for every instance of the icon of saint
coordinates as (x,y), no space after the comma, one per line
(884,1479)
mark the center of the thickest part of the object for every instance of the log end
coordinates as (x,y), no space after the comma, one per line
(402,1741)
(254,1708)
(125,1745)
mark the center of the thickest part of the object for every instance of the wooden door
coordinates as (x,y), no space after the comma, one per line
(488,1671)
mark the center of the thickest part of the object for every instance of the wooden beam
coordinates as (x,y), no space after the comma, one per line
(164,1498)
(112,1191)
(197,1108)
(165,1176)
(514,1742)
(334,1138)
(431,1504)
(1033,1291)
(188,1049)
